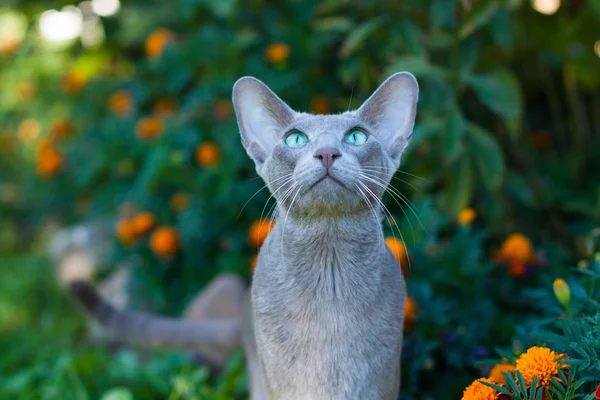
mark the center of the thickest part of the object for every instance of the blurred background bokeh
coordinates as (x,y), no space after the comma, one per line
(120,163)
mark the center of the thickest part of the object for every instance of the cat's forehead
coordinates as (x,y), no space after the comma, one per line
(310,123)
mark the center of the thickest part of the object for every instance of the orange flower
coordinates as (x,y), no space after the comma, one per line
(29,130)
(180,201)
(222,109)
(597,393)
(479,391)
(126,232)
(149,128)
(398,250)
(277,52)
(208,154)
(541,362)
(120,103)
(517,269)
(497,370)
(466,216)
(49,161)
(60,129)
(10,46)
(156,42)
(517,248)
(320,104)
(164,107)
(259,230)
(143,223)
(164,242)
(410,312)
(72,82)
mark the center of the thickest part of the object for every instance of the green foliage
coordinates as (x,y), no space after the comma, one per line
(507,124)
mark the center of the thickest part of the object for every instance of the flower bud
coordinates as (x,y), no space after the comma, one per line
(562,291)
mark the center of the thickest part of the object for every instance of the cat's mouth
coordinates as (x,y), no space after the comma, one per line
(327,178)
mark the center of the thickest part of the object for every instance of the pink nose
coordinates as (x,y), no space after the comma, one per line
(327,155)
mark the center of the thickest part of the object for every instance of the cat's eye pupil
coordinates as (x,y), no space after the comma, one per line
(296,139)
(355,137)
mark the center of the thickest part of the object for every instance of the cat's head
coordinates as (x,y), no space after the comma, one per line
(326,165)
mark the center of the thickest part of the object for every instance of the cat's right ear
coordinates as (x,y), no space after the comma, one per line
(261,116)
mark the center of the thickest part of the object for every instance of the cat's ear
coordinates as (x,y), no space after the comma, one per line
(391,111)
(261,116)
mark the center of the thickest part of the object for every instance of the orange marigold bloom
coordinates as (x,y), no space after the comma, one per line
(126,232)
(517,269)
(49,161)
(156,42)
(208,154)
(60,129)
(597,393)
(120,103)
(320,104)
(277,52)
(541,362)
(466,216)
(72,82)
(10,46)
(222,109)
(398,250)
(164,242)
(517,248)
(497,370)
(180,201)
(143,223)
(149,128)
(410,312)
(259,230)
(479,391)
(164,107)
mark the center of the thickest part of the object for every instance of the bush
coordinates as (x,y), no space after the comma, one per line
(497,197)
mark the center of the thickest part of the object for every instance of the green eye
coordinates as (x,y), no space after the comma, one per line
(355,137)
(296,139)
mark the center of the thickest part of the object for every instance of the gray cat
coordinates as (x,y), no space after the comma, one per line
(324,318)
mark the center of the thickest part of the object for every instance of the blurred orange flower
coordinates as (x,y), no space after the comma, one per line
(49,161)
(410,312)
(164,242)
(259,230)
(72,82)
(126,232)
(540,362)
(466,216)
(164,107)
(479,391)
(398,250)
(222,109)
(208,154)
(10,46)
(149,128)
(60,129)
(320,104)
(497,370)
(156,42)
(517,250)
(143,223)
(180,201)
(277,52)
(120,103)
(29,130)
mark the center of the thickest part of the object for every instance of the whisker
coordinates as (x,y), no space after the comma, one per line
(372,209)
(393,177)
(260,190)
(399,170)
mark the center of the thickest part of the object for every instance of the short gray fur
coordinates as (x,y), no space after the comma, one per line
(327,298)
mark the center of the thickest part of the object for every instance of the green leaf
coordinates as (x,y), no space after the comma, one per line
(357,37)
(455,127)
(117,394)
(459,189)
(416,65)
(479,15)
(501,93)
(487,156)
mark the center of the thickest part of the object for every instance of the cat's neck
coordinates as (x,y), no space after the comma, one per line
(305,254)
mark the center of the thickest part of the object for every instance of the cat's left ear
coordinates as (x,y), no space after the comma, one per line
(261,116)
(391,111)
